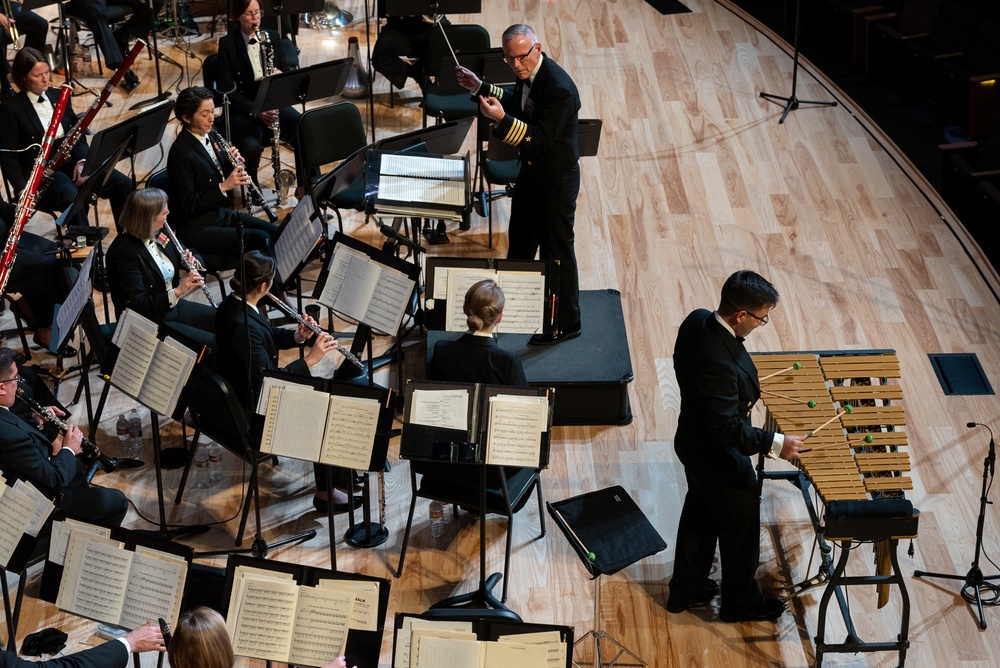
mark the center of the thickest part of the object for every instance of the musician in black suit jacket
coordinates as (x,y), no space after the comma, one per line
(242,64)
(201,192)
(53,465)
(715,441)
(112,654)
(145,269)
(539,117)
(475,357)
(24,119)
(234,320)
(37,275)
(114,43)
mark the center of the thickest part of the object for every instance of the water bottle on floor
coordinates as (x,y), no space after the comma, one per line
(214,463)
(121,428)
(135,434)
(201,480)
(437,519)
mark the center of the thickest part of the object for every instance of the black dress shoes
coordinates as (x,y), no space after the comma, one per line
(322,504)
(708,591)
(769,609)
(129,82)
(556,336)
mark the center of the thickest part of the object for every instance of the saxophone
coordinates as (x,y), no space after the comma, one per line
(284,179)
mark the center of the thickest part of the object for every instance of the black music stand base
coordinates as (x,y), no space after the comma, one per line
(600,636)
(792,103)
(483,596)
(367,534)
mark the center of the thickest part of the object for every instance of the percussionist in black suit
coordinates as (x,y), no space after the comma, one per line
(539,117)
(715,441)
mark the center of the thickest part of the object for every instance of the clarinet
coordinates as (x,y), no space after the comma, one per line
(252,187)
(26,204)
(187,265)
(291,313)
(283,178)
(46,414)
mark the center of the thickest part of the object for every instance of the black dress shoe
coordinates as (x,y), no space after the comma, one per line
(708,591)
(556,336)
(322,504)
(129,82)
(769,609)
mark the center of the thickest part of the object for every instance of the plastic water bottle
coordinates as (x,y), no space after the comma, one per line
(446,509)
(201,479)
(135,434)
(437,519)
(214,463)
(121,428)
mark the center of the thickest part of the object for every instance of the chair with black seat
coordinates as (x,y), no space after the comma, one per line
(444,99)
(214,264)
(218,414)
(498,164)
(507,492)
(328,135)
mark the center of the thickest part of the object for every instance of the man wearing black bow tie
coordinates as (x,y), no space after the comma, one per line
(242,63)
(540,118)
(715,441)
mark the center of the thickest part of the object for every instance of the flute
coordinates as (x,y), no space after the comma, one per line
(86,444)
(187,265)
(291,313)
(255,192)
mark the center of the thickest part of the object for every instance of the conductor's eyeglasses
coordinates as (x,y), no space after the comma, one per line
(762,321)
(510,60)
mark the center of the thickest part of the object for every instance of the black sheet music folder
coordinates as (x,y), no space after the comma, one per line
(609,524)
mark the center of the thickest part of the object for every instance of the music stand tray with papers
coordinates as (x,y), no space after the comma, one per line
(609,532)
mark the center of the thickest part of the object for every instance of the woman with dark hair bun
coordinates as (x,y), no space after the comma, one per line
(240,356)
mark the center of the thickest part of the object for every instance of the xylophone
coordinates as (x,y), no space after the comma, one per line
(856,460)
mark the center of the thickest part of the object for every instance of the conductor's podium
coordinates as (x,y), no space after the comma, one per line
(856,459)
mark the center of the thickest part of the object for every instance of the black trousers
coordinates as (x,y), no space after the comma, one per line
(37,274)
(193,320)
(223,237)
(251,136)
(94,13)
(542,213)
(727,513)
(93,502)
(62,193)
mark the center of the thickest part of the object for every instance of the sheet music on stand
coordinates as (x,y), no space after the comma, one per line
(67,314)
(371,291)
(24,510)
(423,186)
(524,283)
(297,239)
(278,609)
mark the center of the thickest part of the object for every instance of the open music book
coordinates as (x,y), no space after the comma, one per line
(152,371)
(273,618)
(23,511)
(103,581)
(316,426)
(524,297)
(431,187)
(365,290)
(426,643)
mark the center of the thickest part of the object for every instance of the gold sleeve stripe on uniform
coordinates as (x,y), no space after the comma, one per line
(516,133)
(496,91)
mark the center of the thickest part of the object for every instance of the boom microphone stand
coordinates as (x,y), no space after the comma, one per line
(793,102)
(974,580)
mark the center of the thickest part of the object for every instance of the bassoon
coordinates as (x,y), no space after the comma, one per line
(26,203)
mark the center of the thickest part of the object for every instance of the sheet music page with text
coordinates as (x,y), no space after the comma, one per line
(320,630)
(417,635)
(298,423)
(337,274)
(445,409)
(43,506)
(364,608)
(514,431)
(421,190)
(401,659)
(524,296)
(266,615)
(522,655)
(136,353)
(61,531)
(388,300)
(16,510)
(350,432)
(167,375)
(458,283)
(94,578)
(298,238)
(155,587)
(555,648)
(450,653)
(361,277)
(81,291)
(401,164)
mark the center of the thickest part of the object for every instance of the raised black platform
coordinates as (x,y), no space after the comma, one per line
(591,373)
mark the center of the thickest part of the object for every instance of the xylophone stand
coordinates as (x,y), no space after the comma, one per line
(974,580)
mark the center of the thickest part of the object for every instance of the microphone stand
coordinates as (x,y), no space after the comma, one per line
(974,580)
(792,102)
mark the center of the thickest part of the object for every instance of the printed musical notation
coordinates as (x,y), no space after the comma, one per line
(445,409)
(362,289)
(516,425)
(524,297)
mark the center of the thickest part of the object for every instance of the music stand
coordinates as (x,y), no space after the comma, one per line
(279,8)
(135,135)
(302,85)
(608,531)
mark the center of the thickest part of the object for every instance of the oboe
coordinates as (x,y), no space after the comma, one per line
(255,192)
(291,313)
(187,265)
(46,414)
